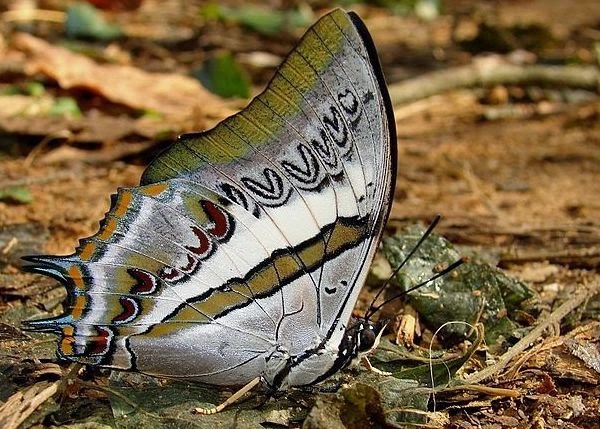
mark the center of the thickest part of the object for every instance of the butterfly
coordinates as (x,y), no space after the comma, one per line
(239,258)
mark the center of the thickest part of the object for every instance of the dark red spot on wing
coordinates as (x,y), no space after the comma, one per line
(191,265)
(98,344)
(145,283)
(171,274)
(130,309)
(221,220)
(204,246)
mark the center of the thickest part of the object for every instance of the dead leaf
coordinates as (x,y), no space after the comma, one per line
(569,356)
(23,403)
(586,351)
(106,154)
(27,115)
(169,94)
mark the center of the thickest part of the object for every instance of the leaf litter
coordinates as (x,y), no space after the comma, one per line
(505,211)
(168,94)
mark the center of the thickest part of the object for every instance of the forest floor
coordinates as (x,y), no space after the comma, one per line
(512,165)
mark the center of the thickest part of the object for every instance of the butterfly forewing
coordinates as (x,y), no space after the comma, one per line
(252,237)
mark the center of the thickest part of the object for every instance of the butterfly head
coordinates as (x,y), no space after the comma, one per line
(366,335)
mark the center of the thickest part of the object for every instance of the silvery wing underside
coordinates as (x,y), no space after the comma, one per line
(246,242)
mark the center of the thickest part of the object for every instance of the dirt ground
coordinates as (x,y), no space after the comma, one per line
(514,169)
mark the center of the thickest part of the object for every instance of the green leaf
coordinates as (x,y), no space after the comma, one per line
(65,106)
(139,401)
(474,292)
(223,76)
(362,406)
(16,195)
(151,114)
(211,12)
(85,22)
(11,90)
(371,402)
(438,369)
(260,19)
(35,89)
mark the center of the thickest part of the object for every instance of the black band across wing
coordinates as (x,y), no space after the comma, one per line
(341,360)
(308,256)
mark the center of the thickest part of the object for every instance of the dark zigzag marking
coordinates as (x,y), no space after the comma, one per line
(308,175)
(273,194)
(336,127)
(132,355)
(374,60)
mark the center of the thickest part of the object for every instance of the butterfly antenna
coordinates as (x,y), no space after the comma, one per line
(426,234)
(449,268)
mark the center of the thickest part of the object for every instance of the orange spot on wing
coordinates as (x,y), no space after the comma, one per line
(87,251)
(107,230)
(123,203)
(77,277)
(78,307)
(66,344)
(154,190)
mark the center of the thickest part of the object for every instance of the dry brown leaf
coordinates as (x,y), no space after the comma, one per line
(106,154)
(587,351)
(23,403)
(29,115)
(557,357)
(170,94)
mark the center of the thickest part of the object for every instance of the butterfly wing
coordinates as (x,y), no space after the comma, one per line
(252,237)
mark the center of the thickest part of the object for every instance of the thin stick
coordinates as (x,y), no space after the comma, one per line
(232,399)
(34,15)
(492,391)
(22,404)
(62,134)
(493,71)
(527,341)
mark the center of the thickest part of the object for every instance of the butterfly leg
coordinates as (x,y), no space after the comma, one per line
(367,364)
(232,399)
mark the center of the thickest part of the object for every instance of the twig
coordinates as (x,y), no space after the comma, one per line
(34,15)
(11,243)
(108,391)
(22,404)
(475,323)
(529,339)
(62,135)
(494,71)
(492,391)
(548,344)
(586,257)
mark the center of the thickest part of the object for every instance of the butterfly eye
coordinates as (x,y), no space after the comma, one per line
(367,338)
